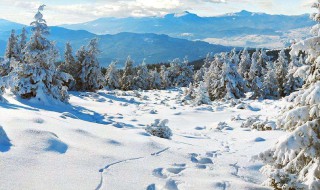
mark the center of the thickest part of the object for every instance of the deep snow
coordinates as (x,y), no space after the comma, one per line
(99,142)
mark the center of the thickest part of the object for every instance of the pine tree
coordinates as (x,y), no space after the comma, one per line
(38,77)
(12,50)
(224,82)
(292,83)
(128,75)
(201,94)
(294,162)
(22,43)
(270,84)
(155,79)
(281,66)
(69,65)
(164,74)
(141,80)
(91,78)
(244,65)
(112,76)
(234,57)
(255,68)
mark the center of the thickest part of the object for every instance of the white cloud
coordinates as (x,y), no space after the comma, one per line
(72,11)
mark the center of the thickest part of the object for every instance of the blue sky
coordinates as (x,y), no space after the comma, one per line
(76,11)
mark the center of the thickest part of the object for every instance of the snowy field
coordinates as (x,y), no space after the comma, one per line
(99,142)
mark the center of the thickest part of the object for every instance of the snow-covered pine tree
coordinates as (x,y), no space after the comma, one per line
(281,66)
(12,50)
(155,79)
(294,162)
(22,43)
(244,65)
(69,65)
(5,67)
(201,94)
(234,57)
(256,88)
(263,59)
(142,79)
(224,82)
(112,76)
(255,67)
(189,93)
(126,81)
(270,86)
(38,77)
(91,78)
(164,74)
(198,75)
(186,74)
(180,73)
(292,83)
(255,79)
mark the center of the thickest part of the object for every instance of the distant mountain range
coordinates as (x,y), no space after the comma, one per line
(152,47)
(193,27)
(160,39)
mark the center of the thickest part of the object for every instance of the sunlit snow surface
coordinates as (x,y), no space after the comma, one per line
(99,142)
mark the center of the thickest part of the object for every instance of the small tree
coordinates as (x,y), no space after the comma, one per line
(202,95)
(155,79)
(281,66)
(244,65)
(270,84)
(142,79)
(91,78)
(12,50)
(128,75)
(164,74)
(112,76)
(22,43)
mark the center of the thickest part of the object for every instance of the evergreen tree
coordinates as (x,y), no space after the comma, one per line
(202,95)
(281,66)
(112,76)
(255,68)
(270,84)
(91,77)
(155,79)
(142,79)
(292,83)
(12,50)
(225,82)
(22,43)
(244,65)
(164,74)
(38,77)
(128,75)
(294,162)
(69,65)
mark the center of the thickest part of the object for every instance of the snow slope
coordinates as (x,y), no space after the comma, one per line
(99,142)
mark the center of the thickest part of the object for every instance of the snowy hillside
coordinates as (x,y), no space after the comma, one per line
(99,141)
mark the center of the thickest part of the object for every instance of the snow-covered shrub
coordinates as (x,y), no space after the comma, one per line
(126,80)
(159,129)
(223,126)
(189,93)
(5,67)
(250,121)
(294,162)
(264,125)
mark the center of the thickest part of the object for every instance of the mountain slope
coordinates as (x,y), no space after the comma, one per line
(155,48)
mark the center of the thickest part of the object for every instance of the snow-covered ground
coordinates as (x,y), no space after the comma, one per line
(99,142)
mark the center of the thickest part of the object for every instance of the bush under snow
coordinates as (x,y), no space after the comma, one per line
(159,129)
